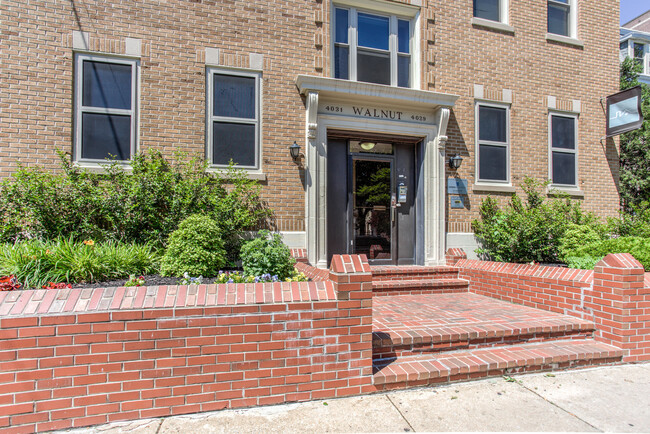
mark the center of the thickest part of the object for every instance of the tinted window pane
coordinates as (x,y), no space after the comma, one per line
(341,26)
(234,96)
(341,58)
(233,141)
(564,168)
(373,31)
(373,67)
(558,19)
(403,71)
(403,36)
(563,132)
(106,85)
(492,163)
(492,124)
(105,136)
(487,9)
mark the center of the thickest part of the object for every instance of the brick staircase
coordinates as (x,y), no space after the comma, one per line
(413,279)
(427,338)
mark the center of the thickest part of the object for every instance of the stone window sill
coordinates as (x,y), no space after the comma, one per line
(497,188)
(496,25)
(559,190)
(564,40)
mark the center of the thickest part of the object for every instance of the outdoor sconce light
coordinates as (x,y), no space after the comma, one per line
(454,162)
(294,150)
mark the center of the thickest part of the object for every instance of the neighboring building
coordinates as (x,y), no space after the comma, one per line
(635,43)
(379,95)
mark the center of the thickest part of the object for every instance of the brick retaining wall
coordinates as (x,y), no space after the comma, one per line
(73,358)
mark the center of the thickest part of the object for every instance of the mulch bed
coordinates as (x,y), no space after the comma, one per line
(149,280)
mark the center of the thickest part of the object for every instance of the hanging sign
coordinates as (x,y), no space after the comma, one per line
(624,111)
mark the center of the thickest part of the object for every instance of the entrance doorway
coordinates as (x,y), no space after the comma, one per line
(371,199)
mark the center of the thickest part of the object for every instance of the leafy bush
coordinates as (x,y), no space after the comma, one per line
(577,236)
(195,248)
(633,222)
(636,246)
(141,206)
(582,262)
(36,263)
(527,231)
(267,254)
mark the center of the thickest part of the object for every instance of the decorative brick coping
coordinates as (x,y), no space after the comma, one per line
(456,366)
(57,301)
(533,271)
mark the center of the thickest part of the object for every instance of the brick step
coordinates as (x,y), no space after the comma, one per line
(423,370)
(412,272)
(415,339)
(419,286)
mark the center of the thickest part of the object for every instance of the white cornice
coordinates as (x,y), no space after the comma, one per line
(346,90)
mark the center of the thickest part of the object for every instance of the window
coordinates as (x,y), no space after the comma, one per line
(563,139)
(561,17)
(639,55)
(493,10)
(233,117)
(493,142)
(372,48)
(105,113)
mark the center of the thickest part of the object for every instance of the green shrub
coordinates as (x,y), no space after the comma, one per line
(577,236)
(35,263)
(195,247)
(636,246)
(583,262)
(140,206)
(267,254)
(527,231)
(633,222)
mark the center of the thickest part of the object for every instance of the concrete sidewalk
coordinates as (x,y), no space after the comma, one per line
(612,399)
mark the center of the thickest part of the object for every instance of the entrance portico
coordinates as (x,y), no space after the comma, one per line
(391,115)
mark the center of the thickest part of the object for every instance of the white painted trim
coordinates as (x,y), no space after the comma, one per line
(210,118)
(562,187)
(79,109)
(387,7)
(508,145)
(393,12)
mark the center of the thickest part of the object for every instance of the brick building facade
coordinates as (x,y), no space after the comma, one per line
(377,94)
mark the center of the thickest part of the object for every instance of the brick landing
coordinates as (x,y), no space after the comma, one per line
(429,338)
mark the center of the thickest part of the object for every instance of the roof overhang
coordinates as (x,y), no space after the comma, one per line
(354,91)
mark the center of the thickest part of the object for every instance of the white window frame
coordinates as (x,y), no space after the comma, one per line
(479,142)
(503,14)
(646,46)
(394,13)
(80,109)
(551,149)
(210,117)
(573,18)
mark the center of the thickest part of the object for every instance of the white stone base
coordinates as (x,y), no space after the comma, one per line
(464,240)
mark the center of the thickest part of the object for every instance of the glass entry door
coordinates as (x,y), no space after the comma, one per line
(372,219)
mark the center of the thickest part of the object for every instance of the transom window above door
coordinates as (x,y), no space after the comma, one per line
(371,47)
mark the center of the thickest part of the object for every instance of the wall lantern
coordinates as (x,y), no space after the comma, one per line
(294,150)
(455,161)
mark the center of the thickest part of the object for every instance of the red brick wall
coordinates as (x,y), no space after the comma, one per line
(192,349)
(615,295)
